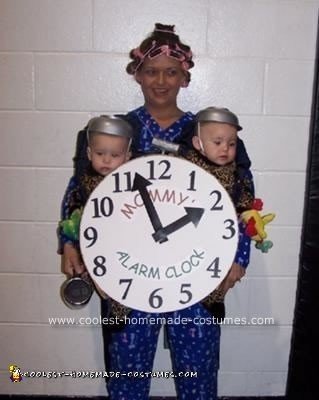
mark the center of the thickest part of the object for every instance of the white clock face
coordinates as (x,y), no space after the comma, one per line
(159,234)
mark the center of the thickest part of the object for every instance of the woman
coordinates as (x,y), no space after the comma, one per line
(160,65)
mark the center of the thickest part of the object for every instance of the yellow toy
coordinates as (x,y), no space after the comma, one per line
(255,226)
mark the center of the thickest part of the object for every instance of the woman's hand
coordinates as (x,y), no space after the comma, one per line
(72,263)
(234,275)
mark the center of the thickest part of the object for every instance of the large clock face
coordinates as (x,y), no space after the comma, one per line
(159,234)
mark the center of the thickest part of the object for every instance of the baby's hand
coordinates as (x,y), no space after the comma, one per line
(72,263)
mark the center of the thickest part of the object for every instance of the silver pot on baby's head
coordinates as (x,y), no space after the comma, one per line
(76,292)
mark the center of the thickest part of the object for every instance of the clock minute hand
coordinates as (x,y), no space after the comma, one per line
(193,215)
(140,184)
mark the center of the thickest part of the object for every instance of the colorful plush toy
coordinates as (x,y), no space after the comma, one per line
(70,227)
(255,226)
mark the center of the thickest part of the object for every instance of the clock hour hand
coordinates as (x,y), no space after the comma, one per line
(193,215)
(140,184)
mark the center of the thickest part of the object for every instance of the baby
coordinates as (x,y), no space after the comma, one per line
(109,140)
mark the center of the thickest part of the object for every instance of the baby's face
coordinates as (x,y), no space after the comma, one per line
(107,152)
(218,142)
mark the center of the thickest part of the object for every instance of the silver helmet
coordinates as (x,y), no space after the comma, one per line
(111,125)
(216,114)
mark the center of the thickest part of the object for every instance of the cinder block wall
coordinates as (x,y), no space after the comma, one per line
(63,61)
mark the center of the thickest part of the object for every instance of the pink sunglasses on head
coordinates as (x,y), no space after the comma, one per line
(156,51)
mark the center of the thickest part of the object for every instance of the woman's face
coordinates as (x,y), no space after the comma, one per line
(160,79)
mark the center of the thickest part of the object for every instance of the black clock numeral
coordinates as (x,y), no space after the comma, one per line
(230,227)
(155,300)
(102,207)
(100,268)
(127,182)
(164,174)
(129,282)
(187,292)
(192,181)
(214,268)
(217,206)
(90,233)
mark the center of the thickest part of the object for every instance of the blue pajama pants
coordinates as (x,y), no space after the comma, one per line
(194,347)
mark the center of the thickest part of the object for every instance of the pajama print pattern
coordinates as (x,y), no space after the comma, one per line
(194,347)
